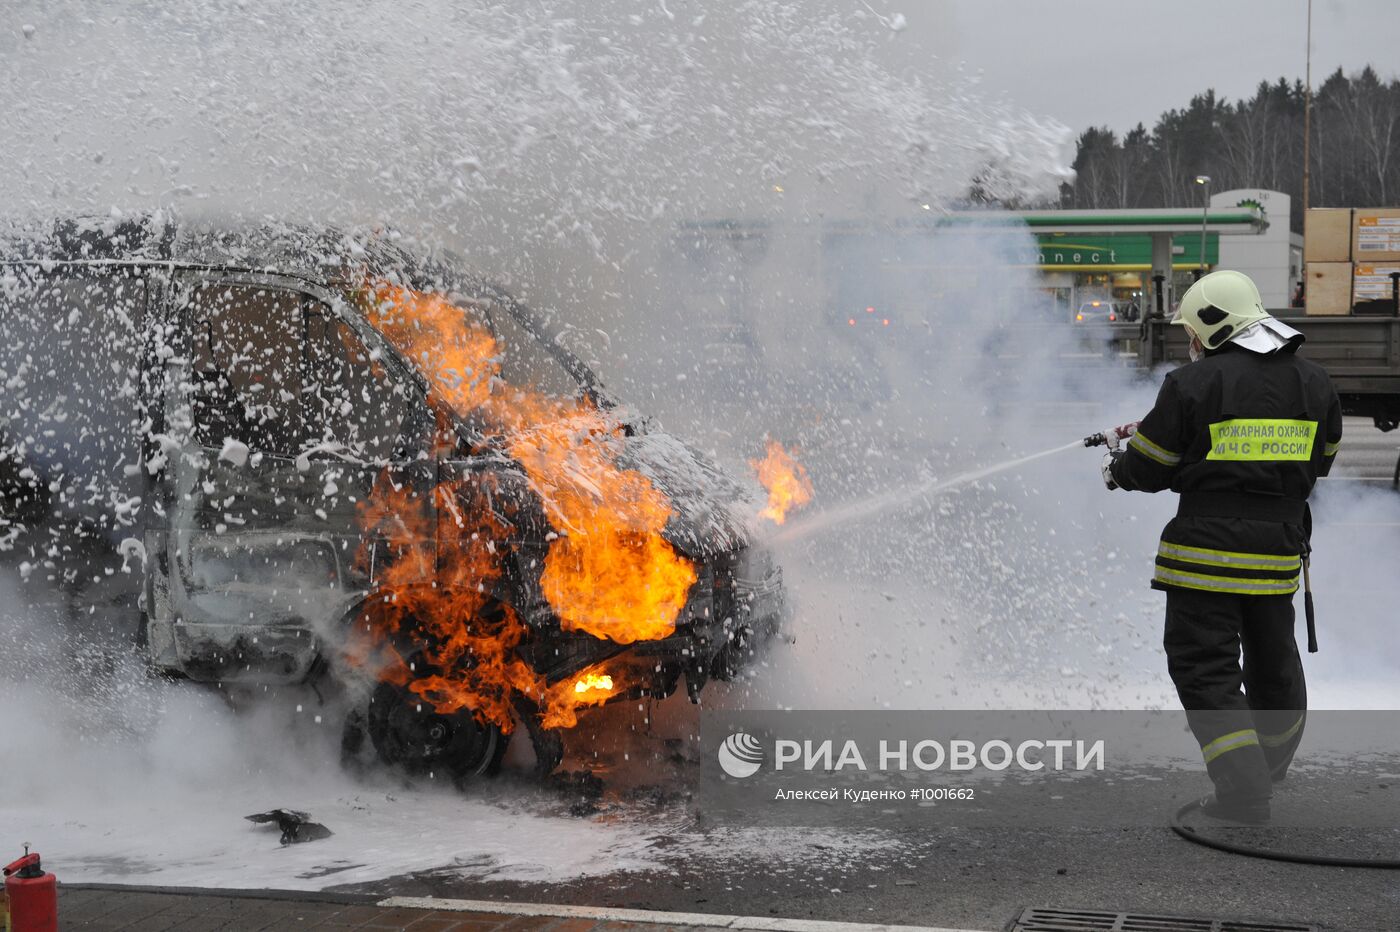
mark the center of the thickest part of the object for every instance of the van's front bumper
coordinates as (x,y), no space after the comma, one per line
(736,604)
(234,653)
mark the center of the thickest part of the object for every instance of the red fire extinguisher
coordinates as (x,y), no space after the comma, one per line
(31,896)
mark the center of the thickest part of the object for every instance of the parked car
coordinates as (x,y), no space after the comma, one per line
(251,444)
(1098,311)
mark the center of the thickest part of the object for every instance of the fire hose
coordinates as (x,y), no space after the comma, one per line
(1271,854)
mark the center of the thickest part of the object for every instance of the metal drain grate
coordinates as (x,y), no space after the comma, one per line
(1089,920)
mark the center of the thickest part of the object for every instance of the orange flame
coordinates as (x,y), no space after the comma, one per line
(609,572)
(441,601)
(594,681)
(786,481)
(564,699)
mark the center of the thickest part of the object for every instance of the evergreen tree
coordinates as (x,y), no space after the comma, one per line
(1254,143)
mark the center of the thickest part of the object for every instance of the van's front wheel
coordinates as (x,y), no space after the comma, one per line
(407,732)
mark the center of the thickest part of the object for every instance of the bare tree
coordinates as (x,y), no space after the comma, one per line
(1252,143)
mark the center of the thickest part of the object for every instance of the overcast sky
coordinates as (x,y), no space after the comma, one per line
(1118,62)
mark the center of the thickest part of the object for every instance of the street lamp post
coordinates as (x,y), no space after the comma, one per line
(1307,114)
(1203,180)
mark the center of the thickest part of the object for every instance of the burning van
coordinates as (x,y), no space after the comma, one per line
(295,456)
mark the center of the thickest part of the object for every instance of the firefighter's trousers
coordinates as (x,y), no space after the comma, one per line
(1247,738)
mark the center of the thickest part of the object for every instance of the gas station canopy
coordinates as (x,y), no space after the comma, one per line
(1158,240)
(1162,220)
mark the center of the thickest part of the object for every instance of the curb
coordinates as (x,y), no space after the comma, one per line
(552,910)
(291,896)
(649,916)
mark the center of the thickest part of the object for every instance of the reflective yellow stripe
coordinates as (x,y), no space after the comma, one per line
(1266,439)
(1243,561)
(1274,741)
(1153,452)
(1331,448)
(1225,583)
(1235,740)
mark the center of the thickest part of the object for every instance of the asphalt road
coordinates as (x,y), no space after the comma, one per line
(979,878)
(1367,454)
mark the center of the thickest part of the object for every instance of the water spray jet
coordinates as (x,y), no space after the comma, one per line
(886,501)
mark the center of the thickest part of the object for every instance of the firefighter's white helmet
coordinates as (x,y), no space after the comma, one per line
(1225,307)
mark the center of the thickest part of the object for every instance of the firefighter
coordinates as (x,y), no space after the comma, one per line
(1242,432)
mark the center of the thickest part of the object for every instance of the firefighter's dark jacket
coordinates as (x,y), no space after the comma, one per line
(1243,437)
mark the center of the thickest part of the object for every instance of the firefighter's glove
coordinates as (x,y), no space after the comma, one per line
(1109,458)
(1113,437)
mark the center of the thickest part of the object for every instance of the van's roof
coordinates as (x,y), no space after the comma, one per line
(318,253)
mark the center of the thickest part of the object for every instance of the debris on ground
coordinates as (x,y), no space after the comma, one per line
(296,826)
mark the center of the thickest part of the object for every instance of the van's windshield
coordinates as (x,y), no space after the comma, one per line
(479,357)
(528,360)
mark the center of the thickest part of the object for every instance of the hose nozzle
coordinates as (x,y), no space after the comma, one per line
(1112,437)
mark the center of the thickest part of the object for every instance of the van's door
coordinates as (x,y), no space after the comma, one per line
(281,428)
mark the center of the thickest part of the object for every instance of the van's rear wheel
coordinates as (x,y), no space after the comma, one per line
(407,732)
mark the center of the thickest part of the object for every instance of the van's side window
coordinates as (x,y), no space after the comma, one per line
(70,411)
(276,370)
(350,398)
(246,370)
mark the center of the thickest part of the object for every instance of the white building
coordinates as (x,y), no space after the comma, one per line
(1273,258)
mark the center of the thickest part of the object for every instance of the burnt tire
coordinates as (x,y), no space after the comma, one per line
(407,732)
